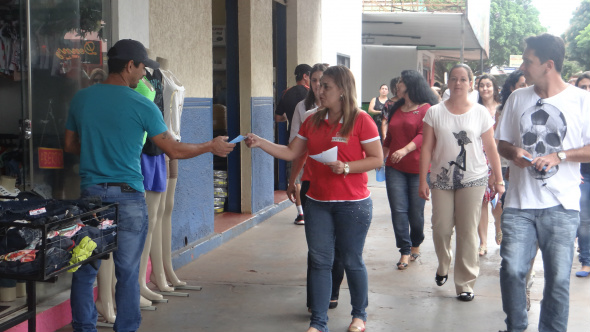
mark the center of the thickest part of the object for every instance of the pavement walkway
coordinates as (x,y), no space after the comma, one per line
(256,282)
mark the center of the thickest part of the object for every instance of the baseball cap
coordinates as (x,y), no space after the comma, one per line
(129,49)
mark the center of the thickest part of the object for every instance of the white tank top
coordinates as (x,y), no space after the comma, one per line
(173,95)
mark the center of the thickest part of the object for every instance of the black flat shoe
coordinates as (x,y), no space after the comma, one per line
(333,304)
(465,296)
(440,280)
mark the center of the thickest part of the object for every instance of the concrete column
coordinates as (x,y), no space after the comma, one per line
(304,35)
(256,90)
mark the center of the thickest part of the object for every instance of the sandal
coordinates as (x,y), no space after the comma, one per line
(440,280)
(483,251)
(465,296)
(499,237)
(401,265)
(354,328)
(414,257)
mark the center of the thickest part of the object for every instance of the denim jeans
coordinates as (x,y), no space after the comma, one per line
(554,230)
(341,225)
(407,208)
(584,229)
(132,231)
(337,268)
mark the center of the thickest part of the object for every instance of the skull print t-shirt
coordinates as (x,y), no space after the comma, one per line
(458,160)
(541,127)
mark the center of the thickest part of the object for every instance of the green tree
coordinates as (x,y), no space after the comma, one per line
(511,21)
(577,36)
(570,67)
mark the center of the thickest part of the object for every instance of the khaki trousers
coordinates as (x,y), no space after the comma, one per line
(459,209)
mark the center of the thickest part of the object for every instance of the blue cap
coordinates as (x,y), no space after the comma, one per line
(129,49)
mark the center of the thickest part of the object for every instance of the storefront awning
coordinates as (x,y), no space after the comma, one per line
(439,33)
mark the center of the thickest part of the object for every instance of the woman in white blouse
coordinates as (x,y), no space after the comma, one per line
(455,132)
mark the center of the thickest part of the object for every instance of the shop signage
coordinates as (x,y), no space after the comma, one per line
(218,35)
(51,158)
(87,50)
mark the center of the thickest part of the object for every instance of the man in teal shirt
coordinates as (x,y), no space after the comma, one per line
(105,126)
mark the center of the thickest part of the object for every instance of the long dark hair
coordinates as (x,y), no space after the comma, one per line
(585,75)
(310,98)
(418,91)
(509,84)
(494,86)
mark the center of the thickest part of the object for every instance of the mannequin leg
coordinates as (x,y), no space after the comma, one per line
(158,277)
(7,294)
(7,290)
(167,234)
(143,302)
(153,202)
(21,289)
(104,301)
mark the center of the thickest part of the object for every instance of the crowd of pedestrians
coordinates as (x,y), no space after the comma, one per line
(460,153)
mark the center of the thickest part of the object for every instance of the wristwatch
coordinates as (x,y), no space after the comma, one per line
(561,155)
(346,169)
(501,183)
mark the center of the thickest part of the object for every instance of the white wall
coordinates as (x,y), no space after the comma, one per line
(381,64)
(131,20)
(342,34)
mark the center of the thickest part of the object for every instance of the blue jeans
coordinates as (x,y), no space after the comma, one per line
(407,208)
(584,229)
(341,225)
(132,231)
(554,230)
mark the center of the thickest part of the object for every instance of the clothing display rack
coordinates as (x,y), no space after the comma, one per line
(63,235)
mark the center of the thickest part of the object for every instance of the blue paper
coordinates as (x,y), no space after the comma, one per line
(238,139)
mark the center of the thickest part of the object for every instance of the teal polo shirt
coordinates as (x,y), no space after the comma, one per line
(110,121)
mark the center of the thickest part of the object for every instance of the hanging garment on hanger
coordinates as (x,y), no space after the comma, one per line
(173,102)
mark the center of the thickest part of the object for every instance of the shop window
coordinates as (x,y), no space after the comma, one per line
(343,60)
(68,53)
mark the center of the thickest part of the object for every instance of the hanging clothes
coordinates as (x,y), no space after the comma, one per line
(173,102)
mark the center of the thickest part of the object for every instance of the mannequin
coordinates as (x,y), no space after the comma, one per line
(106,285)
(162,243)
(153,167)
(167,225)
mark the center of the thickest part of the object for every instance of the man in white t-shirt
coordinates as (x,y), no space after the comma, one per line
(549,124)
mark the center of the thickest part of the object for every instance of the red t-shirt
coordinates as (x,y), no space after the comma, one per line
(326,185)
(405,127)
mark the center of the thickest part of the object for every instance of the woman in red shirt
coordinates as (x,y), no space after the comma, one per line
(402,148)
(339,209)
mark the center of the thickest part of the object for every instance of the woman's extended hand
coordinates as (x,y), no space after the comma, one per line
(424,191)
(252,140)
(336,166)
(398,155)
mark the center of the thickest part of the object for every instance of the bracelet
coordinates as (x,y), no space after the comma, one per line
(501,183)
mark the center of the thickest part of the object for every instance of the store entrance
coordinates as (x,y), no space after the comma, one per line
(226,104)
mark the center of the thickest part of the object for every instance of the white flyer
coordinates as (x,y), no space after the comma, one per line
(327,156)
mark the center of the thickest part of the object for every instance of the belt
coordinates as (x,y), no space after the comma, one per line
(124,186)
